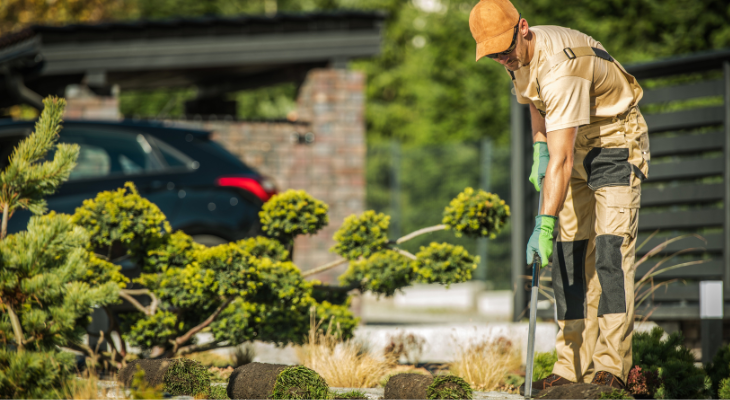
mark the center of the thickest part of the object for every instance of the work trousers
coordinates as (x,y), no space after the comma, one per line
(593,258)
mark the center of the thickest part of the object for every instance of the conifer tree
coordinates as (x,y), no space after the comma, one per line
(48,283)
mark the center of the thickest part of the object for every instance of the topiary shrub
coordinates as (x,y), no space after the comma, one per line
(291,214)
(674,364)
(362,236)
(382,273)
(476,213)
(444,263)
(264,247)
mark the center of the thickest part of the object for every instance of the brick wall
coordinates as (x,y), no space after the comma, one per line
(331,105)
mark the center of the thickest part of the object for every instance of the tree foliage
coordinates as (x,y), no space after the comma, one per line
(361,236)
(49,280)
(293,213)
(476,213)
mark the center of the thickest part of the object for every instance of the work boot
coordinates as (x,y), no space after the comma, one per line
(542,384)
(608,379)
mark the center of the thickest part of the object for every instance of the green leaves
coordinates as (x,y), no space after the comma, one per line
(122,216)
(361,236)
(444,263)
(382,273)
(293,213)
(153,330)
(680,378)
(476,214)
(27,178)
(44,276)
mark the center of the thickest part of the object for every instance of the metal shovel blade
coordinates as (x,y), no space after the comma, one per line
(529,363)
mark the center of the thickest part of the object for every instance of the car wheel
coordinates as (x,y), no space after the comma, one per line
(209,240)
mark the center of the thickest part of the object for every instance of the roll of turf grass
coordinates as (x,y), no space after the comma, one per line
(415,386)
(178,376)
(275,381)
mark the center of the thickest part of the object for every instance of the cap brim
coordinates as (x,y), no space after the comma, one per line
(496,44)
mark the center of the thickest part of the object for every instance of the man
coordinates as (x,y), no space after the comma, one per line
(591,153)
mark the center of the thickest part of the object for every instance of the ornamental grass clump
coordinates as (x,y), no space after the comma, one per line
(485,364)
(342,363)
(476,213)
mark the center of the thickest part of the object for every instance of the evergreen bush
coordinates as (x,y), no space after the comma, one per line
(476,213)
(674,364)
(724,390)
(49,280)
(382,273)
(291,214)
(444,263)
(362,236)
(719,368)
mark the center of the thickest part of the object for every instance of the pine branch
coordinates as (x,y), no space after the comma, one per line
(126,296)
(189,334)
(17,328)
(325,267)
(4,231)
(196,348)
(420,232)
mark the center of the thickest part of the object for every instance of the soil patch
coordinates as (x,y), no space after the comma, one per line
(154,371)
(576,391)
(407,386)
(253,381)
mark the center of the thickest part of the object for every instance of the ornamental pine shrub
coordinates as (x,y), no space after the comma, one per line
(719,368)
(476,213)
(49,280)
(674,364)
(362,236)
(250,289)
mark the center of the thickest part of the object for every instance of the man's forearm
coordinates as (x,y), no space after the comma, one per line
(559,170)
(538,125)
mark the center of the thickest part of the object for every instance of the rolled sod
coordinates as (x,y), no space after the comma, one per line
(581,391)
(179,376)
(276,381)
(415,386)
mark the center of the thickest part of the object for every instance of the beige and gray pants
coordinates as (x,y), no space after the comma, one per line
(593,275)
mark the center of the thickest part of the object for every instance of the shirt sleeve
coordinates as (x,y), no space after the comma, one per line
(567,103)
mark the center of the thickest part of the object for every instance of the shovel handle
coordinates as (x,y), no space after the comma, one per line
(530,362)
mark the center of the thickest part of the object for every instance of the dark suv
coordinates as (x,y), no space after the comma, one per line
(202,189)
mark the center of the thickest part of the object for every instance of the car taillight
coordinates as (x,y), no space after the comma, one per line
(263,189)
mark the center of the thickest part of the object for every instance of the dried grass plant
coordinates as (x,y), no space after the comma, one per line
(341,363)
(484,364)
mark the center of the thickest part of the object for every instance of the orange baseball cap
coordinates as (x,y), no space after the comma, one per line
(492,24)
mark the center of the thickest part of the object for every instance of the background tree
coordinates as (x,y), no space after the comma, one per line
(47,276)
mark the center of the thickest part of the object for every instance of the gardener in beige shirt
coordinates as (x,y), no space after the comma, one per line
(591,153)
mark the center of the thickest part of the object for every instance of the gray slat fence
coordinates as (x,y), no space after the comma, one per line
(687,192)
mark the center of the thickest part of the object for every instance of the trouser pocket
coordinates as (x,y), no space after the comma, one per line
(607,167)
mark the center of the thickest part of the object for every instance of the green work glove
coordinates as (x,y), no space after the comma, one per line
(541,240)
(540,158)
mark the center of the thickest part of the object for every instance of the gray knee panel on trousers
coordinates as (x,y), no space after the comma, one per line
(610,274)
(568,276)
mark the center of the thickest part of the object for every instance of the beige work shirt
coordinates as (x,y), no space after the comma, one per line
(574,92)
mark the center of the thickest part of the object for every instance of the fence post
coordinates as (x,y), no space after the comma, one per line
(395,164)
(482,273)
(711,314)
(726,180)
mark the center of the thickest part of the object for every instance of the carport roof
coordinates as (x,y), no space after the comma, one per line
(217,54)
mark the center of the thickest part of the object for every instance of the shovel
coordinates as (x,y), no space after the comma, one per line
(533,322)
(530,362)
